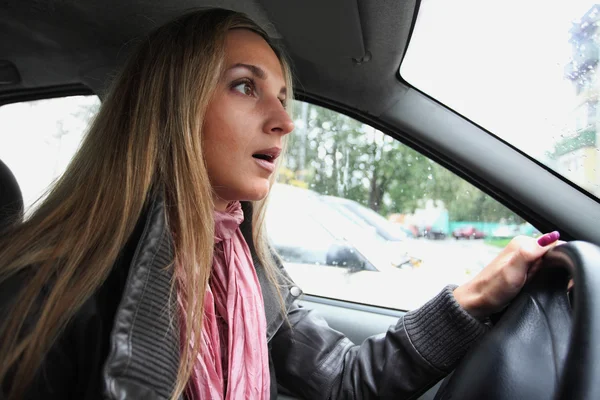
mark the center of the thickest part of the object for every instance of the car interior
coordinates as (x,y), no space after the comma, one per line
(346,56)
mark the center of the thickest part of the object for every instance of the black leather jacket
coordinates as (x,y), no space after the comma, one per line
(124,342)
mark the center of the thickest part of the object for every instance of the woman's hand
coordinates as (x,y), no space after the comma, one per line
(499,282)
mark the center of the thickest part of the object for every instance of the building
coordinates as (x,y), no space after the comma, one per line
(577,154)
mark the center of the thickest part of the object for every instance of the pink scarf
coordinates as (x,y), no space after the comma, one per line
(233,362)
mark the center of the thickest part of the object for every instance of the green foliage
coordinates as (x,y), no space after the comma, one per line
(337,155)
(586,138)
(502,243)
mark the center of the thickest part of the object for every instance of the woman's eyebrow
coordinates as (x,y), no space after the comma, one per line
(254,70)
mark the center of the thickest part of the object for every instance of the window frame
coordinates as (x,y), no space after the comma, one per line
(468,175)
(45,93)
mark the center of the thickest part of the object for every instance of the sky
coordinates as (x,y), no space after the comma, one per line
(499,63)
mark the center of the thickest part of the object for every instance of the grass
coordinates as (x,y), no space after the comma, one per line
(498,242)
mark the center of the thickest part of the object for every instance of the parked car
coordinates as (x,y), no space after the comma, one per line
(337,253)
(386,229)
(467,232)
(433,233)
(327,235)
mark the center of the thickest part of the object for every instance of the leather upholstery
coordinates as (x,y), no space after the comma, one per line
(580,378)
(11,199)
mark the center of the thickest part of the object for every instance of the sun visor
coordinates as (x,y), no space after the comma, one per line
(9,75)
(317,29)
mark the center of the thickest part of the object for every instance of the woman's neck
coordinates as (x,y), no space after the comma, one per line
(220,204)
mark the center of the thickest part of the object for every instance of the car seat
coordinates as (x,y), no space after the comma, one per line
(11,198)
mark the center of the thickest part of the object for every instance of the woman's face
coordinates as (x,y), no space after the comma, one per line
(246,120)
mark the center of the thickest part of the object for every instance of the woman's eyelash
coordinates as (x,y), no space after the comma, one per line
(244,82)
(251,84)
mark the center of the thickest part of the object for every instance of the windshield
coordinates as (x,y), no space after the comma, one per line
(524,70)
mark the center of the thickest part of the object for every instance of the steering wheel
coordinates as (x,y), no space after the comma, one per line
(539,349)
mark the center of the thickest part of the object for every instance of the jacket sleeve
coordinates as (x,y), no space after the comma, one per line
(314,361)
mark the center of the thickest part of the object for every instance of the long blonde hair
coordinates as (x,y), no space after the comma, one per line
(146,137)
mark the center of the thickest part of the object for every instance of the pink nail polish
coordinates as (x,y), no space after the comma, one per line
(548,238)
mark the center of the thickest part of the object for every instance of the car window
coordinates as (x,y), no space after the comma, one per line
(527,71)
(358,216)
(39,138)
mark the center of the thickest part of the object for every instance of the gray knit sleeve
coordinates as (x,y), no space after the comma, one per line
(442,331)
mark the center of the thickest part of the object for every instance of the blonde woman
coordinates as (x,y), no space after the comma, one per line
(145,273)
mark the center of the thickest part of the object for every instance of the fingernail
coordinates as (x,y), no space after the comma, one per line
(548,238)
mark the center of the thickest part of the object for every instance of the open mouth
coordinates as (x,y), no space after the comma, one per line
(266,157)
(269,155)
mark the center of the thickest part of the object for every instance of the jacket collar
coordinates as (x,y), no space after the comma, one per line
(146,328)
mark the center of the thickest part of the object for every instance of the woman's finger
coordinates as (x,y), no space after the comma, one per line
(548,238)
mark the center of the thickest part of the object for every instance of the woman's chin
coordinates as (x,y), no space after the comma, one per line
(260,192)
(257,191)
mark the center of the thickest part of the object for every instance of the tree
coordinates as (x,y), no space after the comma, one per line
(333,154)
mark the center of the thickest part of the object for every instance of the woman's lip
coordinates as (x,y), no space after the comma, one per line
(268,165)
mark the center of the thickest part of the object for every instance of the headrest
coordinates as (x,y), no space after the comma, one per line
(11,199)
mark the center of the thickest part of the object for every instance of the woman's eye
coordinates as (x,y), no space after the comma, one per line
(245,88)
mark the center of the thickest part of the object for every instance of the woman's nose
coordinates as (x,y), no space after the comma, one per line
(279,120)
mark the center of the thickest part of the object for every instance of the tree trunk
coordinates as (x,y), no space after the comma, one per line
(335,172)
(374,192)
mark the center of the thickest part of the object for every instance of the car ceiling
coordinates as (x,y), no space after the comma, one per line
(337,47)
(345,55)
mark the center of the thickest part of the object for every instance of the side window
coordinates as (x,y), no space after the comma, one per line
(39,138)
(358,216)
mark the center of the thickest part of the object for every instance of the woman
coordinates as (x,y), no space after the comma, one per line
(145,273)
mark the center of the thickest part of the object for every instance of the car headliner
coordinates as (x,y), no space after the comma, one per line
(82,42)
(345,55)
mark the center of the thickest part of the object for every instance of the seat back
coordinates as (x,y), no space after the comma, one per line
(11,198)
